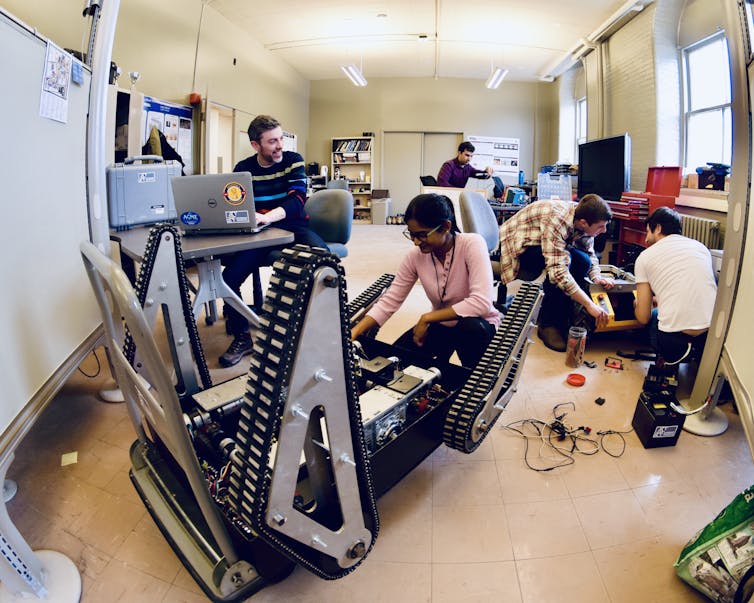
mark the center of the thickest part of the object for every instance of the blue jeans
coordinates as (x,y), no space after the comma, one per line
(556,305)
(672,347)
(469,338)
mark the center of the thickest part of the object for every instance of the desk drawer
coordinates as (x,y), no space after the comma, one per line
(632,235)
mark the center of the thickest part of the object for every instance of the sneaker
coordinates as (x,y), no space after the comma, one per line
(240,346)
(552,338)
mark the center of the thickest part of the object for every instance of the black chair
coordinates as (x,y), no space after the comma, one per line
(428,180)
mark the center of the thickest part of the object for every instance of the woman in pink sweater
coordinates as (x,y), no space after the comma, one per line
(455,271)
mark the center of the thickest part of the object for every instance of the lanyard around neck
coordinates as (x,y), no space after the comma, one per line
(437,276)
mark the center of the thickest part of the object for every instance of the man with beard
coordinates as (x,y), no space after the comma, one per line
(279,183)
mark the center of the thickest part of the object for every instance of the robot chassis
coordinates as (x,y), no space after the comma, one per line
(296,452)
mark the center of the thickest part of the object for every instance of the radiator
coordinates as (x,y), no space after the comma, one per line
(705,230)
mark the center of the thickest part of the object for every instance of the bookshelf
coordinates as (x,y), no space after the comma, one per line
(352,159)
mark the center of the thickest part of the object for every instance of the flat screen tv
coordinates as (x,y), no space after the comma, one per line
(605,167)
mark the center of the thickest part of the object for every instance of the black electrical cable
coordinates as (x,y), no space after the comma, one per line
(99,367)
(557,431)
(539,427)
(609,432)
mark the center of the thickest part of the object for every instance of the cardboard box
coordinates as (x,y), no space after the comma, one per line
(693,180)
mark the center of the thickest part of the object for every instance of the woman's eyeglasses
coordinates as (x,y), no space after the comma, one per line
(419,236)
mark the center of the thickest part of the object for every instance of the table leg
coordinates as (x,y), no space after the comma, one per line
(212,287)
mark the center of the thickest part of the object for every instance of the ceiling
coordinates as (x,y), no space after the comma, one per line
(425,38)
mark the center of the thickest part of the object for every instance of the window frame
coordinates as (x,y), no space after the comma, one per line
(581,123)
(686,78)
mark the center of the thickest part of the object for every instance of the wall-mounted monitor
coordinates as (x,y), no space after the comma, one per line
(605,167)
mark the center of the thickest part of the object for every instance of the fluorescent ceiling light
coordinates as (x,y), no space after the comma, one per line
(495,78)
(354,74)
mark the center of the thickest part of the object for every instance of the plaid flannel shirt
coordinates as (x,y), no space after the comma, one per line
(550,225)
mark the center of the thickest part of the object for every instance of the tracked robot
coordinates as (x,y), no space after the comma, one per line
(283,466)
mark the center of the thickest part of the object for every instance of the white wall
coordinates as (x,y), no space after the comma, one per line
(159,40)
(518,110)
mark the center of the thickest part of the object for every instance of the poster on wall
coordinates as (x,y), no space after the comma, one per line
(502,154)
(174,121)
(290,141)
(53,102)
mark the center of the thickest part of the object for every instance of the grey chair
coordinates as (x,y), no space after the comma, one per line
(477,216)
(331,216)
(338,183)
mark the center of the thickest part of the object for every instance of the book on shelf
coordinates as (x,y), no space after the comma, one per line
(352,144)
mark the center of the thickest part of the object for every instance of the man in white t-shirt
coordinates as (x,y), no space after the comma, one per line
(675,272)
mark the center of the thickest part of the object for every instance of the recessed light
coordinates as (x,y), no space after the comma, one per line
(382,15)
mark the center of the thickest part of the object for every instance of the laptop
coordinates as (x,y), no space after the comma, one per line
(215,204)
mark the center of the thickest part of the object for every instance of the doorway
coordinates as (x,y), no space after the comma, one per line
(408,155)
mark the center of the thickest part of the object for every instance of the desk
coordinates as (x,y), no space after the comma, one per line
(503,211)
(206,250)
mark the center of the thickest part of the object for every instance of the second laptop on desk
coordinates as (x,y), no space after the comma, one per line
(215,204)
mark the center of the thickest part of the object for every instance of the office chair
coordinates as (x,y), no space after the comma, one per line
(338,183)
(331,216)
(477,216)
(330,213)
(428,180)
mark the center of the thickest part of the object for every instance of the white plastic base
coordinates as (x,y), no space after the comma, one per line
(9,489)
(115,395)
(111,395)
(713,425)
(60,577)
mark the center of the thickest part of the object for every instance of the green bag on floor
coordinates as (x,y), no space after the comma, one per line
(717,558)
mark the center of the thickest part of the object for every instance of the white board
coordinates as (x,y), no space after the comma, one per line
(46,303)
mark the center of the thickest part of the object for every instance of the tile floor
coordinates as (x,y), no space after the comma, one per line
(474,528)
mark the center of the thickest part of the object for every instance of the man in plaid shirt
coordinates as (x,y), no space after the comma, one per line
(557,236)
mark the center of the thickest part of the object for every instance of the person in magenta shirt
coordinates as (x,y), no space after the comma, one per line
(455,272)
(456,172)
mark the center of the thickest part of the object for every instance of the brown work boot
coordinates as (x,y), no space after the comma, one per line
(552,338)
(239,347)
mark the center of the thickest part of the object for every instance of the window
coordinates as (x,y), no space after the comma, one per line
(580,123)
(708,123)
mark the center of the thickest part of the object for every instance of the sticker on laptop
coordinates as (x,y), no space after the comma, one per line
(238,216)
(234,193)
(190,218)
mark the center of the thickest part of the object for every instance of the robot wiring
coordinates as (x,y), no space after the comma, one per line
(559,442)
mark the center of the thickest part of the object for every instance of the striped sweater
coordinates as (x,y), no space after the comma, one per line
(279,185)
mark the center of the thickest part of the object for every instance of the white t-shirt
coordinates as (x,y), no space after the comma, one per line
(679,271)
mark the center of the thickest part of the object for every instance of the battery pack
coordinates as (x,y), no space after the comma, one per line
(655,421)
(661,378)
